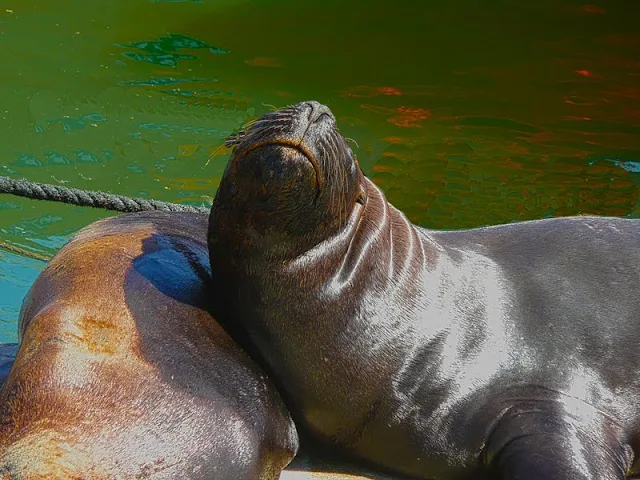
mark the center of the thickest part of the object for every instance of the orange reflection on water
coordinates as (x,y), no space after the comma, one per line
(365,91)
(396,139)
(574,100)
(389,91)
(377,109)
(409,116)
(382,168)
(187,150)
(593,9)
(264,62)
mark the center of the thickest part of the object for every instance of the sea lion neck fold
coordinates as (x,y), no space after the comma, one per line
(335,265)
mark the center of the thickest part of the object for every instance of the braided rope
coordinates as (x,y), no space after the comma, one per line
(83,198)
(89,198)
(24,252)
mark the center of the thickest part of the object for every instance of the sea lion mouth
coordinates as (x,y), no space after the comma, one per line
(299,147)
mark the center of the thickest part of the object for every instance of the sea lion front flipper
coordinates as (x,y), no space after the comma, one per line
(535,442)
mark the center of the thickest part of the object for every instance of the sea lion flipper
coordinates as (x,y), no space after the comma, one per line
(534,443)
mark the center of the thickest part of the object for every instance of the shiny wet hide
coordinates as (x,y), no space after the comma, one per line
(123,373)
(434,354)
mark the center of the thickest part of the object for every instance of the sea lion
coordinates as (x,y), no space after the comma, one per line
(507,351)
(122,373)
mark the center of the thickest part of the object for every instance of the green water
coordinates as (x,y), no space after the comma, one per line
(466,112)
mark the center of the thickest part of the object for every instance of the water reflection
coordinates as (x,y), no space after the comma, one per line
(442,186)
(162,51)
(16,276)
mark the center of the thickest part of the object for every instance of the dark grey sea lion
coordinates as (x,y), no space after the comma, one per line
(507,351)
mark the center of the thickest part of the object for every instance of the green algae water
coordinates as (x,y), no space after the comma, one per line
(466,113)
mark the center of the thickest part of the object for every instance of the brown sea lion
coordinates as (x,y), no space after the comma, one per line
(122,373)
(508,351)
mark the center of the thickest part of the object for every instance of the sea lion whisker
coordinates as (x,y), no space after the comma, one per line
(250,123)
(260,132)
(281,113)
(352,141)
(260,123)
(329,168)
(235,138)
(269,121)
(337,173)
(265,134)
(217,151)
(279,118)
(268,105)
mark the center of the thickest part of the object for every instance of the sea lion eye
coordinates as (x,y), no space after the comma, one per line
(360,198)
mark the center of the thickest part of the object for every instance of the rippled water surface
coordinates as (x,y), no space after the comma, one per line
(466,113)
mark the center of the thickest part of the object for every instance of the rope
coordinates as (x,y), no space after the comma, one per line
(89,198)
(24,252)
(83,198)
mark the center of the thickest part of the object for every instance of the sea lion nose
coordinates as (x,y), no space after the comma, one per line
(317,110)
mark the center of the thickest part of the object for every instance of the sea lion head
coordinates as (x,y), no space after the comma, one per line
(292,181)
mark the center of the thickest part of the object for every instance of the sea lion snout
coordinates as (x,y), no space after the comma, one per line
(292,180)
(283,146)
(301,126)
(303,133)
(317,112)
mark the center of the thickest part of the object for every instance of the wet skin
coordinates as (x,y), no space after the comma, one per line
(507,351)
(123,373)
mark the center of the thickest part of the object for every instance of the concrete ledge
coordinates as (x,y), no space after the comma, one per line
(302,475)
